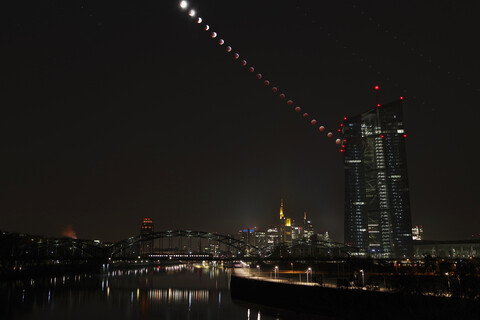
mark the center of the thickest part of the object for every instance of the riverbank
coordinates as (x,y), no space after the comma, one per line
(348,303)
(50,268)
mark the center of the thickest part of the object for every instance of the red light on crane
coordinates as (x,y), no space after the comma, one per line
(378,105)
(401,98)
(377,88)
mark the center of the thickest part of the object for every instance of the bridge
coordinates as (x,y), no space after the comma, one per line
(177,244)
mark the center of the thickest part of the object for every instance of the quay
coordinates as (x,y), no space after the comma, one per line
(330,301)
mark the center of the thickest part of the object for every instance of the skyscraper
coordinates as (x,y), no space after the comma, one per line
(146,247)
(308,230)
(377,203)
(417,233)
(286,226)
(281,226)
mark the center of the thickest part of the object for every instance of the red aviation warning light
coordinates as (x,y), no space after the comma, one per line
(401,98)
(377,88)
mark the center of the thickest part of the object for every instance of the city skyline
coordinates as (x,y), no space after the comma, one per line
(116,113)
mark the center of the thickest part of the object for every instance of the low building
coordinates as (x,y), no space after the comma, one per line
(447,249)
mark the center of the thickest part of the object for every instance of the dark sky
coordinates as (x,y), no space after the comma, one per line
(115,111)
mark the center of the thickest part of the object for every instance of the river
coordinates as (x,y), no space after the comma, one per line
(160,292)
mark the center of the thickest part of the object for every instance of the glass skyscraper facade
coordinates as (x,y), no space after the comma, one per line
(377,203)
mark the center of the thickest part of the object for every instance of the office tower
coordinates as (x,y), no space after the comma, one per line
(286,226)
(146,246)
(247,235)
(417,233)
(308,230)
(281,225)
(273,236)
(287,231)
(377,204)
(297,234)
(261,240)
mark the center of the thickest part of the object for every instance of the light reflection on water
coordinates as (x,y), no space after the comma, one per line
(179,296)
(174,292)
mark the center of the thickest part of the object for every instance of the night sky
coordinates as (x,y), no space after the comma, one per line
(115,111)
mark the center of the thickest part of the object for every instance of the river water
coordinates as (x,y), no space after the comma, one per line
(168,292)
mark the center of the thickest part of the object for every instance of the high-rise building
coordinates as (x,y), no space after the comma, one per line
(417,233)
(308,230)
(286,226)
(261,240)
(377,203)
(282,216)
(146,247)
(297,234)
(281,225)
(273,236)
(287,231)
(247,235)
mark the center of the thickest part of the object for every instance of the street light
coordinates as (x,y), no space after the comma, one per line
(275,271)
(448,280)
(258,270)
(309,270)
(363,278)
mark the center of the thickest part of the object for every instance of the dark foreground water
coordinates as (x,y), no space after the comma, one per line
(173,292)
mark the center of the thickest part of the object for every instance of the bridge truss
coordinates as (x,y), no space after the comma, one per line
(131,246)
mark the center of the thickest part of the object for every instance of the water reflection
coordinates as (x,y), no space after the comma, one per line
(165,292)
